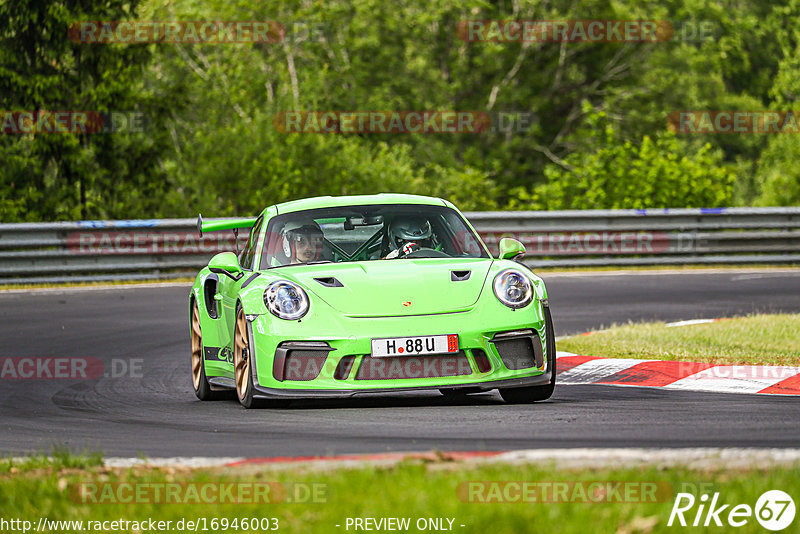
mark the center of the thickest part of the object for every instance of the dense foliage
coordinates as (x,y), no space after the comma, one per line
(600,137)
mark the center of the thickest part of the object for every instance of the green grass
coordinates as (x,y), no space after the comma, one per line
(59,458)
(752,340)
(414,489)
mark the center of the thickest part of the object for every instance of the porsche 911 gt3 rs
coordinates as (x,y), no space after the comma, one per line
(339,296)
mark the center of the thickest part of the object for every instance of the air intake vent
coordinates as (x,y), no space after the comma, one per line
(209,290)
(303,365)
(521,352)
(481,361)
(459,276)
(329,281)
(343,368)
(299,360)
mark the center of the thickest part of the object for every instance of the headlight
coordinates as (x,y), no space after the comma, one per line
(513,288)
(286,300)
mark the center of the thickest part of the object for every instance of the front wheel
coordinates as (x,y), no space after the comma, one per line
(532,394)
(241,362)
(242,367)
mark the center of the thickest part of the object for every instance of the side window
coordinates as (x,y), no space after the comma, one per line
(249,252)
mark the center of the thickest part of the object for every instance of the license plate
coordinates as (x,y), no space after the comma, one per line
(400,346)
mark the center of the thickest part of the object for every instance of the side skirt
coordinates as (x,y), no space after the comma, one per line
(221,383)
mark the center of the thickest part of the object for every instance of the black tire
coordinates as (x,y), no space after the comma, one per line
(202,389)
(532,394)
(241,366)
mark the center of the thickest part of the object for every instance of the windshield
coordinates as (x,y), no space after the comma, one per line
(365,233)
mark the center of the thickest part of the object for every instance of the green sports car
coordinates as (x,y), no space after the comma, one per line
(339,296)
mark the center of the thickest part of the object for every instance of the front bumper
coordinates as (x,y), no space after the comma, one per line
(476,329)
(262,392)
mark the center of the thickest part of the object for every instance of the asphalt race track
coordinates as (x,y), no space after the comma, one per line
(156,413)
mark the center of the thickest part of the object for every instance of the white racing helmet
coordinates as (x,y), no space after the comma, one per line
(406,229)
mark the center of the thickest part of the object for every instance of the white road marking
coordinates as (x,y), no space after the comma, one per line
(690,322)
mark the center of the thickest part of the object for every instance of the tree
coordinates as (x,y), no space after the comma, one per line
(618,174)
(50,176)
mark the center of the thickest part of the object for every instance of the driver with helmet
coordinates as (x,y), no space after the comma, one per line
(408,234)
(302,241)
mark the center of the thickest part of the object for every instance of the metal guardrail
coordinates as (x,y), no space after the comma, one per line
(166,248)
(648,237)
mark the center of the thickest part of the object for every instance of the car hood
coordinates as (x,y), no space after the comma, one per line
(384,288)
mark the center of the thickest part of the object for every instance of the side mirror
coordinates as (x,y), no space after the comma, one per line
(226,263)
(511,249)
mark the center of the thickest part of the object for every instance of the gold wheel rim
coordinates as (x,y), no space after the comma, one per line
(197,347)
(241,367)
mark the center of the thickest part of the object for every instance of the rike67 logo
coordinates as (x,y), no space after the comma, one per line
(774,510)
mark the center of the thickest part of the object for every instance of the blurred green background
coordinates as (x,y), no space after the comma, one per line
(600,138)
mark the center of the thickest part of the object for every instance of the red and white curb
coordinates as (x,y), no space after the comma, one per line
(673,375)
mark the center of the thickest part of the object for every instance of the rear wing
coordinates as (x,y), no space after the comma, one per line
(227,224)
